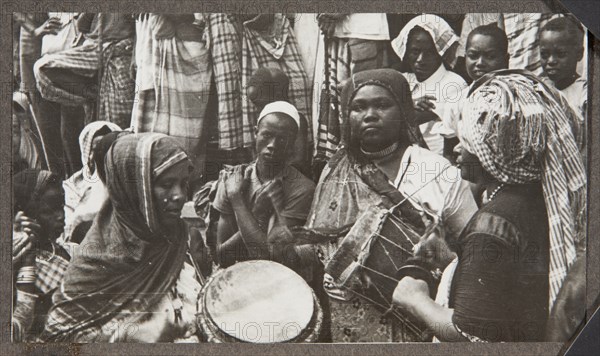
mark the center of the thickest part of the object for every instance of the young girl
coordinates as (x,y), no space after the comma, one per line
(39,261)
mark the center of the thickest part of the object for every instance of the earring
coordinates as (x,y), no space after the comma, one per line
(166,200)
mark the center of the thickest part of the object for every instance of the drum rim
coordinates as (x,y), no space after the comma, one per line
(311,332)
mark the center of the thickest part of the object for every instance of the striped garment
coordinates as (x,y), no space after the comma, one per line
(238,49)
(126,261)
(337,69)
(181,73)
(116,89)
(534,142)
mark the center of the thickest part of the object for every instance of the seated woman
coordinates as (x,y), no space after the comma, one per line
(515,252)
(39,262)
(426,45)
(381,163)
(84,191)
(133,279)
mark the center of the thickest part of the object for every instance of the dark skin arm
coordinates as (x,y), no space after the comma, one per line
(243,228)
(422,117)
(424,107)
(412,295)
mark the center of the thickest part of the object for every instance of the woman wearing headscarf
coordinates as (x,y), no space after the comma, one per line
(84,191)
(427,47)
(382,162)
(39,262)
(133,279)
(515,252)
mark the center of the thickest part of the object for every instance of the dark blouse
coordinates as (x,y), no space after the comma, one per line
(500,287)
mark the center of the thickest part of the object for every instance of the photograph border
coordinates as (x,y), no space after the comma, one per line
(240,6)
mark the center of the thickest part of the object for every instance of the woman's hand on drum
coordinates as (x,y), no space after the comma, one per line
(410,292)
(237,183)
(434,250)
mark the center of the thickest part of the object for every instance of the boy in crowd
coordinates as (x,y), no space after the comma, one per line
(259,201)
(486,51)
(561,48)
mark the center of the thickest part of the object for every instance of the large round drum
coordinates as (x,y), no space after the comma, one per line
(259,302)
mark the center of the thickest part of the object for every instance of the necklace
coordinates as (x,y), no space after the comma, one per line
(380,154)
(493,194)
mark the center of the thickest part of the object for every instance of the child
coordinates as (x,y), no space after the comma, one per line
(561,48)
(426,44)
(486,51)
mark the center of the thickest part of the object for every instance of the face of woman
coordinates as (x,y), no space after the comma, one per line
(469,165)
(51,212)
(421,55)
(375,118)
(169,191)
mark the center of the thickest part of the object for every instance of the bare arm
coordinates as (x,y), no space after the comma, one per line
(412,295)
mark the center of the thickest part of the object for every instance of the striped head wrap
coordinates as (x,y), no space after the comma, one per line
(521,133)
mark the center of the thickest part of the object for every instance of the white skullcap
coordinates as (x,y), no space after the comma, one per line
(280,106)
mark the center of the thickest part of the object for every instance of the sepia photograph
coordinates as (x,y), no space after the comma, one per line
(333,178)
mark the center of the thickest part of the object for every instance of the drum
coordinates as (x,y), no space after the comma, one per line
(259,302)
(375,254)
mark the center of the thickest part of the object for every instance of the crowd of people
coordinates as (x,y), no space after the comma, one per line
(298,139)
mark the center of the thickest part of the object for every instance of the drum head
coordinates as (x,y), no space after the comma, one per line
(260,302)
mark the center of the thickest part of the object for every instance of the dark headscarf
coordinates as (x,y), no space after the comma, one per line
(398,87)
(28,186)
(125,260)
(368,172)
(100,150)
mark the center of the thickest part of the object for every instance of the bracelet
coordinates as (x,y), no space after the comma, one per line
(27,269)
(26,274)
(26,280)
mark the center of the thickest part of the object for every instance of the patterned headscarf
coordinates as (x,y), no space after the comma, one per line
(127,263)
(442,34)
(522,132)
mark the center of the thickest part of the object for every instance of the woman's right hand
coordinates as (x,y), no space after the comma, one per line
(50,27)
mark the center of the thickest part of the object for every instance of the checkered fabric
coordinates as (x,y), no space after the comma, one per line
(237,51)
(117,87)
(50,271)
(521,131)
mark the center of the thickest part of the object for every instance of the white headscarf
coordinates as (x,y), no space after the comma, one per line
(442,34)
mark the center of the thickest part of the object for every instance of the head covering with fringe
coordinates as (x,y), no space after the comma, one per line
(521,132)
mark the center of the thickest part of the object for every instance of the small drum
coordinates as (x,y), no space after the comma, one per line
(259,302)
(371,259)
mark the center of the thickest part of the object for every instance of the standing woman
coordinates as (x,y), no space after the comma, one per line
(515,252)
(133,279)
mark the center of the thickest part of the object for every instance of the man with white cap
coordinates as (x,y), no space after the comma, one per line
(260,201)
